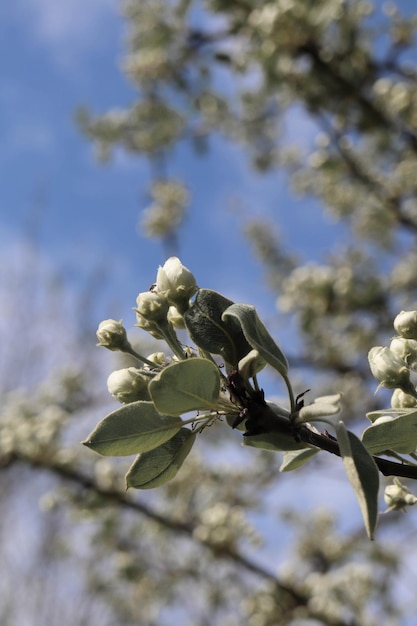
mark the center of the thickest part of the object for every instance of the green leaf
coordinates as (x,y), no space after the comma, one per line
(257,335)
(132,429)
(212,333)
(374,415)
(185,386)
(295,459)
(274,441)
(398,434)
(153,469)
(362,473)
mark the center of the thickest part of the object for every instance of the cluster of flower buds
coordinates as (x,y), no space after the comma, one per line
(392,366)
(158,311)
(167,300)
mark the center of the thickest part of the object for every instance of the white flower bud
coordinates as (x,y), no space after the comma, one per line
(176,318)
(398,496)
(383,419)
(158,358)
(176,283)
(406,349)
(153,307)
(112,335)
(128,385)
(406,324)
(389,369)
(401,400)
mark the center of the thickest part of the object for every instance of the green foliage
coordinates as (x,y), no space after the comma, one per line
(297,458)
(392,433)
(212,332)
(362,474)
(135,428)
(191,385)
(257,335)
(154,468)
(275,441)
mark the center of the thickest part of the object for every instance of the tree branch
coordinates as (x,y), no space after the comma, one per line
(386,467)
(264,420)
(115,497)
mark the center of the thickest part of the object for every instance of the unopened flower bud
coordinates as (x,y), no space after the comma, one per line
(176,318)
(159,358)
(128,385)
(406,324)
(112,335)
(383,419)
(401,400)
(153,307)
(406,349)
(389,369)
(398,496)
(176,283)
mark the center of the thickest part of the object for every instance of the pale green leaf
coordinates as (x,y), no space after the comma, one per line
(296,458)
(398,434)
(374,415)
(257,335)
(189,385)
(362,473)
(153,469)
(132,429)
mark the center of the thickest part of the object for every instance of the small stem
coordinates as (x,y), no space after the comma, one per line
(172,340)
(397,456)
(201,421)
(290,394)
(129,350)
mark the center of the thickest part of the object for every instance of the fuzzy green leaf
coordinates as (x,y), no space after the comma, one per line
(274,441)
(212,333)
(398,434)
(295,459)
(362,473)
(153,469)
(134,428)
(257,335)
(185,386)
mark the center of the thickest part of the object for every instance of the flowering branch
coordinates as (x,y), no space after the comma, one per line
(217,379)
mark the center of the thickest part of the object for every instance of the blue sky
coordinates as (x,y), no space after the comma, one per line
(57,56)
